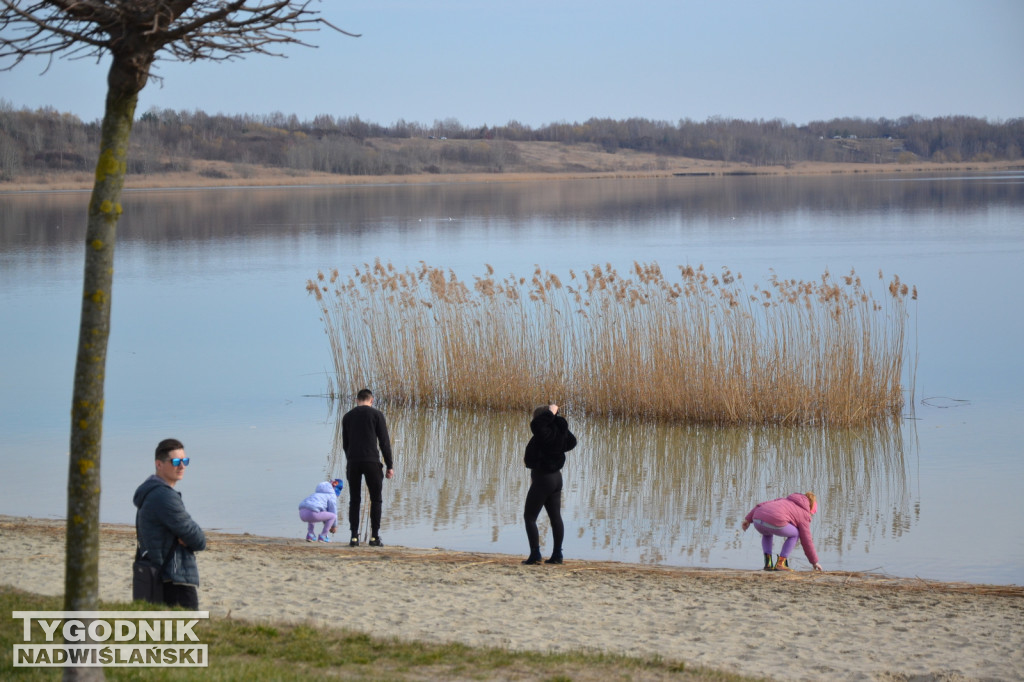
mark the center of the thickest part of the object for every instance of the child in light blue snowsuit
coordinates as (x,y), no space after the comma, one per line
(321,506)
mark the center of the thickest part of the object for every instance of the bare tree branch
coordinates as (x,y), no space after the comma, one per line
(172,30)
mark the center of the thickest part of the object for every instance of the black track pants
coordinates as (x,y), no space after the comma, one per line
(373,472)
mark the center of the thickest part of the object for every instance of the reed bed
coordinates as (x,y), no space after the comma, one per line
(702,348)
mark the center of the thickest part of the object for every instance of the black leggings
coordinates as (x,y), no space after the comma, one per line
(545,491)
(373,472)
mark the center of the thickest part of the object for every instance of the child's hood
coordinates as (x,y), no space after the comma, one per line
(801,501)
(325,487)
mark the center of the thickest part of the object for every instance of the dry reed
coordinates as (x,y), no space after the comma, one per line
(703,349)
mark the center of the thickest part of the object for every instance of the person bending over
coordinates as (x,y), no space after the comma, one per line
(790,518)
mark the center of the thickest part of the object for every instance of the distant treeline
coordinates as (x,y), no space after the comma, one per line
(43,140)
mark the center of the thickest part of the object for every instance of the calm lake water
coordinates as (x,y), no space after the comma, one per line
(215,341)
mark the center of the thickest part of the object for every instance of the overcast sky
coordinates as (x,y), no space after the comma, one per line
(545,61)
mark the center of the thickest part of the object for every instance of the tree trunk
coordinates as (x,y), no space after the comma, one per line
(81,568)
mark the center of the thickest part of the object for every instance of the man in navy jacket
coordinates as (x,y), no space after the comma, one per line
(166,533)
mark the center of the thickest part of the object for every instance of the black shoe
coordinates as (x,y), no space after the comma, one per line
(533,559)
(375,542)
(354,542)
(556,558)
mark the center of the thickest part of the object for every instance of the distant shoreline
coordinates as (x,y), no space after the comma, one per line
(206,175)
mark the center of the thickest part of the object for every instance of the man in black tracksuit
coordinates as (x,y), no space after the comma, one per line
(362,429)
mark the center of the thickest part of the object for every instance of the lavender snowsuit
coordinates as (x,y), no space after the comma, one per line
(322,506)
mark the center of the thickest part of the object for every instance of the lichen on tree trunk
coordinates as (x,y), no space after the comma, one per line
(81,575)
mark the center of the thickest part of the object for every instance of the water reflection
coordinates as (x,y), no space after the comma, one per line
(248,347)
(648,492)
(26,221)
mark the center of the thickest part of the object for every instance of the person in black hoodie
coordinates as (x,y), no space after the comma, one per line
(545,457)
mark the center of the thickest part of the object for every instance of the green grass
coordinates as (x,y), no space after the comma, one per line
(240,650)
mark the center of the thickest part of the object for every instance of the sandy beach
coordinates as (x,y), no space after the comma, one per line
(804,625)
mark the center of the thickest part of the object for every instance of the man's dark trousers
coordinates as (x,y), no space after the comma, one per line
(373,472)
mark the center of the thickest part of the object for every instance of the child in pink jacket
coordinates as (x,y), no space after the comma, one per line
(788,517)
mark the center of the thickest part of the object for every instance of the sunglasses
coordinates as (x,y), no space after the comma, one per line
(175,461)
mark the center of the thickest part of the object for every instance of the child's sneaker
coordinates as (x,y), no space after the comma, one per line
(324,537)
(782,564)
(310,537)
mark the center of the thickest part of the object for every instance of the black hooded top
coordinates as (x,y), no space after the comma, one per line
(550,441)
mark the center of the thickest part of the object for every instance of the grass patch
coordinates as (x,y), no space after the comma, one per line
(240,650)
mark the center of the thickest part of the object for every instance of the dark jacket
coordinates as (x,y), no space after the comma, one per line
(550,441)
(362,428)
(161,522)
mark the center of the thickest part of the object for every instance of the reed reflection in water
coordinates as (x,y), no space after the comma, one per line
(638,491)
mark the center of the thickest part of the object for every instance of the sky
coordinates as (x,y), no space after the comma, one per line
(537,62)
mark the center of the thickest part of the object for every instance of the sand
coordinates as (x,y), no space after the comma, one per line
(803,626)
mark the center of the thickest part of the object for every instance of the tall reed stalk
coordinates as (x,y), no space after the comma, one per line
(700,349)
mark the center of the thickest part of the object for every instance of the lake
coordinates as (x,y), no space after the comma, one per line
(215,341)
